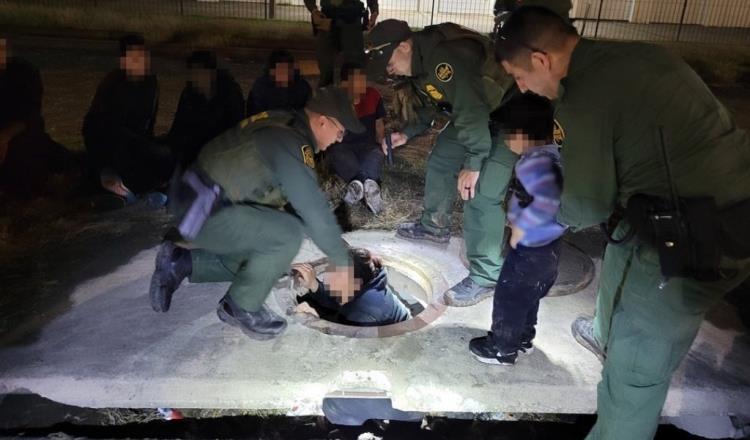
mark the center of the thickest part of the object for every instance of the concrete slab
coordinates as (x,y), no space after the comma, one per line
(109,349)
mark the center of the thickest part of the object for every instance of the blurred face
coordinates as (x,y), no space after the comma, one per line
(282,74)
(327,130)
(203,80)
(535,76)
(3,53)
(518,141)
(356,84)
(136,62)
(400,62)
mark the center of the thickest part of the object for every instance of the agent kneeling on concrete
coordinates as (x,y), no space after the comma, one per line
(373,303)
(245,205)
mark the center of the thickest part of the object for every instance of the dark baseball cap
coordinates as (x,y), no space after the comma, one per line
(380,43)
(335,102)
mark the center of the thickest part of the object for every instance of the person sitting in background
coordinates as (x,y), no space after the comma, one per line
(280,88)
(210,104)
(358,159)
(530,268)
(373,304)
(118,130)
(28,156)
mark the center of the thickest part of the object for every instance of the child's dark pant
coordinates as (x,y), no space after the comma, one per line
(527,275)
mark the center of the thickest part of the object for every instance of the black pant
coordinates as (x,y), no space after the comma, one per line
(356,161)
(527,275)
(143,164)
(32,158)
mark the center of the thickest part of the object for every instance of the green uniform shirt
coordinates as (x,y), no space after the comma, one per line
(454,68)
(611,105)
(311,5)
(269,160)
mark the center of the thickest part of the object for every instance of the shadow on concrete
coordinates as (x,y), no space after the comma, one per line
(42,270)
(53,420)
(725,362)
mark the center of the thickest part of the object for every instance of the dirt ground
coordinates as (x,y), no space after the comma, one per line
(41,241)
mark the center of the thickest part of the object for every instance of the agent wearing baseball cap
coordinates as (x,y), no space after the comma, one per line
(269,199)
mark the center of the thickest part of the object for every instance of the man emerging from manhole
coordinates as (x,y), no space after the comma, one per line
(373,304)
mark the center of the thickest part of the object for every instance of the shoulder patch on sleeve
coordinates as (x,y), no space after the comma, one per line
(308,155)
(444,72)
(433,92)
(254,118)
(258,116)
(558,134)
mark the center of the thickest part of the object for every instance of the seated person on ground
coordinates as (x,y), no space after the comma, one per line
(28,156)
(281,87)
(358,159)
(530,268)
(373,304)
(210,104)
(118,130)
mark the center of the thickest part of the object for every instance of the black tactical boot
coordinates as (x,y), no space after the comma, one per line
(173,264)
(261,325)
(415,231)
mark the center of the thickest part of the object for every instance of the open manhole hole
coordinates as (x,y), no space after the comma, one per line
(416,290)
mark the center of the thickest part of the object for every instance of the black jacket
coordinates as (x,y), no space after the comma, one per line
(123,112)
(264,95)
(198,120)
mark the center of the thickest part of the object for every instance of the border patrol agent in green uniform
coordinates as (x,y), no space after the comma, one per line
(269,199)
(629,110)
(454,69)
(348,19)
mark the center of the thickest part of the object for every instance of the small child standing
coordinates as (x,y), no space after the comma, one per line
(530,268)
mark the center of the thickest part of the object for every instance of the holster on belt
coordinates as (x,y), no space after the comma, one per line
(194,197)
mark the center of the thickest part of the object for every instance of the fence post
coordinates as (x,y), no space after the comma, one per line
(272,9)
(682,19)
(585,19)
(432,14)
(598,18)
(182,7)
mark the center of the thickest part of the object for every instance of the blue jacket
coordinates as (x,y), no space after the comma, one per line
(374,305)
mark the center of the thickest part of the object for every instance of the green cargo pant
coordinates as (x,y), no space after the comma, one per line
(647,331)
(345,38)
(249,245)
(484,217)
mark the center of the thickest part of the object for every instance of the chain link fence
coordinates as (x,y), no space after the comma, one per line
(698,21)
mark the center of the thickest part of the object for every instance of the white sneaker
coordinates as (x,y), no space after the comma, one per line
(354,192)
(373,200)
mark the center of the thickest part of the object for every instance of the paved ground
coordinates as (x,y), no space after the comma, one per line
(109,349)
(73,304)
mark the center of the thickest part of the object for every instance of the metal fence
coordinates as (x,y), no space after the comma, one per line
(699,21)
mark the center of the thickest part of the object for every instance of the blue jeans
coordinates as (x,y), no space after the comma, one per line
(356,161)
(526,277)
(374,308)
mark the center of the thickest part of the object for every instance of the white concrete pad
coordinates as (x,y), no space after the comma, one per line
(109,349)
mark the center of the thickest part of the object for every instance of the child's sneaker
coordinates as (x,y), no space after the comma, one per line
(484,350)
(527,347)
